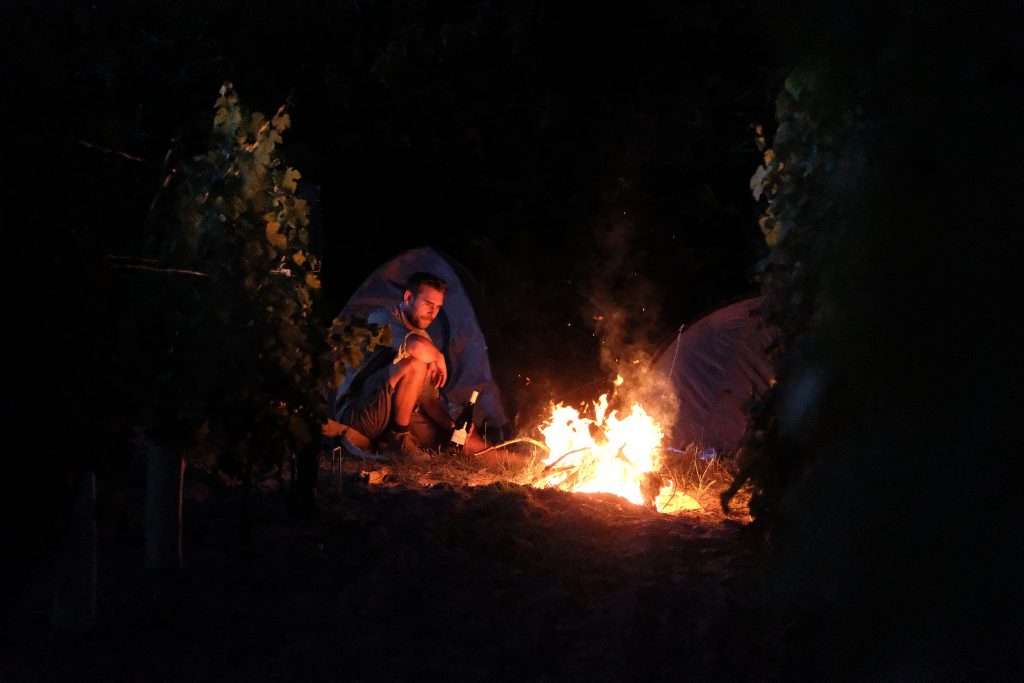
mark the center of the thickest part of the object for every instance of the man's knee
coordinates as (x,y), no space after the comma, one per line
(409,370)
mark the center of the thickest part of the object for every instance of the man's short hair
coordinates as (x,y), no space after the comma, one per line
(421,278)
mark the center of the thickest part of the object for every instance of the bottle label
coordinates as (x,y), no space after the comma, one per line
(459,437)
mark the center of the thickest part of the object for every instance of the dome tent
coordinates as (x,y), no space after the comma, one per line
(456,330)
(717,367)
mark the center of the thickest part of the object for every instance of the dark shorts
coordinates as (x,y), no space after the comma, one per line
(370,412)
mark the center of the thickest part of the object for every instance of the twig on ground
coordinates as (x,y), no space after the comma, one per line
(172,271)
(508,443)
(108,150)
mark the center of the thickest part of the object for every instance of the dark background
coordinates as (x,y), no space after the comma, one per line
(578,161)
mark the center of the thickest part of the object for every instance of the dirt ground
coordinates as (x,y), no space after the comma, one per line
(448,571)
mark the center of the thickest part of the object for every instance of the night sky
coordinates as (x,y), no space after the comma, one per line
(577,162)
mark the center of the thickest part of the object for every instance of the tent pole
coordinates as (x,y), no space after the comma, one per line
(675,353)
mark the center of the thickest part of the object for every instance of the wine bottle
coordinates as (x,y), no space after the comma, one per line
(462,425)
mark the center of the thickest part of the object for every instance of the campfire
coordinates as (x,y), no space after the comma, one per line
(607,453)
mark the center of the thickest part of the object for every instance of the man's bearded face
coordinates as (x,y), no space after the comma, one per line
(422,307)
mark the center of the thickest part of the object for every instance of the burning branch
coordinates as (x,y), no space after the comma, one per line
(562,456)
(621,455)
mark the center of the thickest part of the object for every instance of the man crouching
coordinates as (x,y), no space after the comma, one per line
(380,403)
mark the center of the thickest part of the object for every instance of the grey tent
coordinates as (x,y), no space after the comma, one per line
(456,330)
(717,367)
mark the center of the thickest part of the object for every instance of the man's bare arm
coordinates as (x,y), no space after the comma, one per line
(421,349)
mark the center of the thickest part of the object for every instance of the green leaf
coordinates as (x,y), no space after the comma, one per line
(282,122)
(290,178)
(276,239)
(256,121)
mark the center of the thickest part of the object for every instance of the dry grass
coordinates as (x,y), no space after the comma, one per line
(510,466)
(703,480)
(521,463)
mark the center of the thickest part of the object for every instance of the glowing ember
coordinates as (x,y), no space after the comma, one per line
(671,500)
(605,454)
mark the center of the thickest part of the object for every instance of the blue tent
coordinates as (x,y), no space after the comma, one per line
(456,330)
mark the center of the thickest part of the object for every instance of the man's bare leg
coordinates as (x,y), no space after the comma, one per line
(407,378)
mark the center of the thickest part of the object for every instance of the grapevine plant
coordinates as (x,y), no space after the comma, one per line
(243,363)
(813,171)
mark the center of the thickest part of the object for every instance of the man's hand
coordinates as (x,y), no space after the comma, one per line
(437,372)
(433,375)
(421,349)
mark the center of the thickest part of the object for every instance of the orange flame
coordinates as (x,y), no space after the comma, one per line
(605,454)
